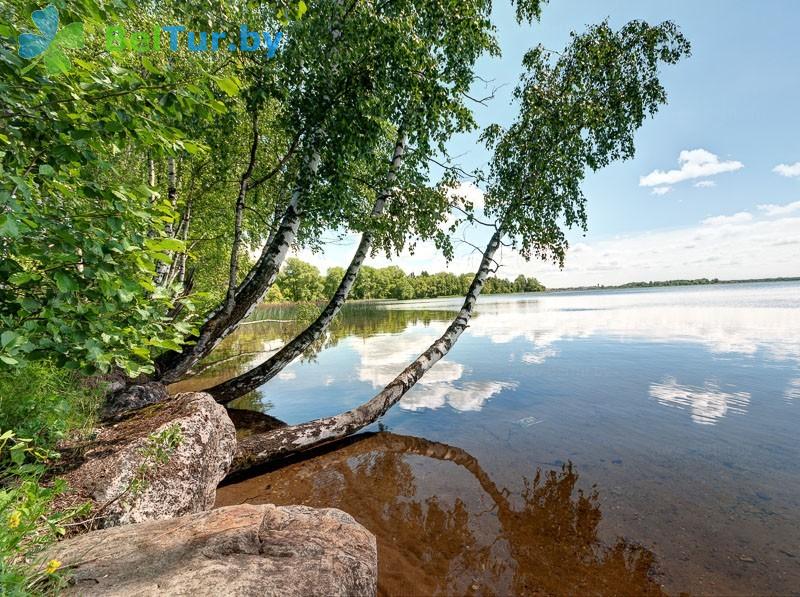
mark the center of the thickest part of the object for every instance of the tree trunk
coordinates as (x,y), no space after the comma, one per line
(233,271)
(162,268)
(262,448)
(242,384)
(186,222)
(221,322)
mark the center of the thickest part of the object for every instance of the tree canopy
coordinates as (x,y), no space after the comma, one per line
(149,199)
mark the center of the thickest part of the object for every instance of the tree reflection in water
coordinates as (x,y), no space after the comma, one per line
(486,540)
(272,326)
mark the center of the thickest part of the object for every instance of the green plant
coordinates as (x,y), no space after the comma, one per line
(46,404)
(40,405)
(155,453)
(29,522)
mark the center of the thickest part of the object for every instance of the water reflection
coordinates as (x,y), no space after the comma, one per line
(683,403)
(741,319)
(470,396)
(473,538)
(707,403)
(793,391)
(271,326)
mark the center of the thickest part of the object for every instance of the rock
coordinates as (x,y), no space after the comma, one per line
(134,397)
(248,422)
(111,475)
(238,550)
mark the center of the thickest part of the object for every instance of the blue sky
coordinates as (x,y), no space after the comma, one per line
(736,98)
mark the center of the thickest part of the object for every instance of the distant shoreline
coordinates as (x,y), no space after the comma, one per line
(668,283)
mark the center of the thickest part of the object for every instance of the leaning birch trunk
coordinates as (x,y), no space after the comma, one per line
(276,444)
(222,321)
(242,384)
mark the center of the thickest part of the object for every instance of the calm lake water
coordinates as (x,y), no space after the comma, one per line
(621,442)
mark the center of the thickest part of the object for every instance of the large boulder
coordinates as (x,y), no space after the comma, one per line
(239,550)
(162,461)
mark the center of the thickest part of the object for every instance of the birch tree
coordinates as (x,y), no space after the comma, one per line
(405,62)
(579,111)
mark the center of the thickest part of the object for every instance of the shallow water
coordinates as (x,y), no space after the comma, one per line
(567,442)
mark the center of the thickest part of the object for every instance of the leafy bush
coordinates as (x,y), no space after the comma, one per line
(39,405)
(28,520)
(45,404)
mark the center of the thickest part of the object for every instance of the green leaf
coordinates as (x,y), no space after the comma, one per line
(192,148)
(218,106)
(17,452)
(65,282)
(46,170)
(55,61)
(8,337)
(164,244)
(302,7)
(8,226)
(229,85)
(70,36)
(20,278)
(8,360)
(164,343)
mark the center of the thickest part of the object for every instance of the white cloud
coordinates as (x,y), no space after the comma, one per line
(738,319)
(540,356)
(694,163)
(738,218)
(772,209)
(708,403)
(383,356)
(756,248)
(788,170)
(471,396)
(793,390)
(661,190)
(467,191)
(705,184)
(761,247)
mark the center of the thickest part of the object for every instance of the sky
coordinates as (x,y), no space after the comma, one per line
(714,188)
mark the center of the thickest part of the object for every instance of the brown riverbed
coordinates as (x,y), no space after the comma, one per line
(445,528)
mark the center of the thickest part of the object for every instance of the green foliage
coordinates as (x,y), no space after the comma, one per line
(301,282)
(579,111)
(156,452)
(47,404)
(28,524)
(39,406)
(79,236)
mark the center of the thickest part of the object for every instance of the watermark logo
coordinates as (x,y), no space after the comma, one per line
(49,44)
(245,40)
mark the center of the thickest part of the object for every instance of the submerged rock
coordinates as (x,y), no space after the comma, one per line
(238,550)
(162,461)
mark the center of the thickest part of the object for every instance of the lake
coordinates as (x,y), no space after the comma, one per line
(600,442)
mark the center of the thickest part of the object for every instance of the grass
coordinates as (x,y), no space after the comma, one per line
(40,406)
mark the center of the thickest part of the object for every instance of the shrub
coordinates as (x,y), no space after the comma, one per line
(39,406)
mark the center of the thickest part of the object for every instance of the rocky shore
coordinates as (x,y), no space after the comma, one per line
(151,475)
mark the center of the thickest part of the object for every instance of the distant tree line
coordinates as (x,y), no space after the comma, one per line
(300,281)
(692,282)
